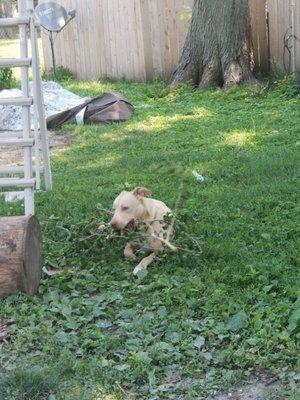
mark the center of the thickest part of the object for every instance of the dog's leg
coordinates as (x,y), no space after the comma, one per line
(129,251)
(144,263)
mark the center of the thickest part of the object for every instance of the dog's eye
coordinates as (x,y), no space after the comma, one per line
(124,208)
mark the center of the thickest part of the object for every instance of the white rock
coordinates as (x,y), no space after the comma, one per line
(10,197)
(56,99)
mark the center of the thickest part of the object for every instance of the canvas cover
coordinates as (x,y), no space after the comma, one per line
(109,107)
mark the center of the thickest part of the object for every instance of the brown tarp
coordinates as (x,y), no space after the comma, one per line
(109,107)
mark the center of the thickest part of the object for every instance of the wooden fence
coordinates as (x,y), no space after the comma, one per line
(134,39)
(284,22)
(142,39)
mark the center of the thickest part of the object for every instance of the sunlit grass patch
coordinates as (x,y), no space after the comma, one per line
(163,122)
(10,48)
(100,162)
(240,139)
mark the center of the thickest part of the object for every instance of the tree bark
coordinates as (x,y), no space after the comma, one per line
(217,49)
(20,255)
(6,11)
(6,8)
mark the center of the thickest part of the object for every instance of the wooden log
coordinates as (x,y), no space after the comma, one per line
(20,255)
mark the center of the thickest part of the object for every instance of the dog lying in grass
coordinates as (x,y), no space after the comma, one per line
(136,212)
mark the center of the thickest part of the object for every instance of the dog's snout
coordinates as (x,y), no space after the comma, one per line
(113,224)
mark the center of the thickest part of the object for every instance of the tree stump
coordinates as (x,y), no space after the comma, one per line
(20,255)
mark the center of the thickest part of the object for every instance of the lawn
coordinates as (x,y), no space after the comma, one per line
(10,48)
(194,324)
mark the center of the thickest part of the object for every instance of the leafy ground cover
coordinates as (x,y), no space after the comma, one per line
(194,324)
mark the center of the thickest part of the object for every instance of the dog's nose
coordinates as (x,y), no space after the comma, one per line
(113,224)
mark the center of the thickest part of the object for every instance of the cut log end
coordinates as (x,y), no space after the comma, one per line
(20,255)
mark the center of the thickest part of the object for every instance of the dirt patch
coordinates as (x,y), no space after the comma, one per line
(262,389)
(57,141)
(5,331)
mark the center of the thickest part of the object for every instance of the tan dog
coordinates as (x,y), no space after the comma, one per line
(133,208)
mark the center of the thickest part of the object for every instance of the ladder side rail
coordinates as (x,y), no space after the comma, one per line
(39,101)
(37,166)
(29,192)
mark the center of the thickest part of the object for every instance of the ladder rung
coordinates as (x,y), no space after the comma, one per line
(13,134)
(8,22)
(15,62)
(16,101)
(17,142)
(17,182)
(16,169)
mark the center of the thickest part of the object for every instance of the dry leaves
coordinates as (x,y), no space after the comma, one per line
(52,272)
(5,330)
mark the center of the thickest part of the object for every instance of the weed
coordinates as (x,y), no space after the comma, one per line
(61,74)
(7,80)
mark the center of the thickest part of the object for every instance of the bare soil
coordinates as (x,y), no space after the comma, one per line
(261,389)
(57,142)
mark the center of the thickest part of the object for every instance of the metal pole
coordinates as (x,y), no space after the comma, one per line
(52,51)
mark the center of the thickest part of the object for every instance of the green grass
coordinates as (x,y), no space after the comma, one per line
(194,324)
(10,48)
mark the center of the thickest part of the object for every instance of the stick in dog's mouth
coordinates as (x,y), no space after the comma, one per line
(131,225)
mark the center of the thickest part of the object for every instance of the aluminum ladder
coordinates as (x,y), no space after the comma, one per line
(26,140)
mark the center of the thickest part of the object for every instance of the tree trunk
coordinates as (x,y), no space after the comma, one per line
(217,49)
(6,11)
(20,255)
(6,8)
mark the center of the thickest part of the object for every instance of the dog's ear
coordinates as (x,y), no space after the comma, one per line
(141,192)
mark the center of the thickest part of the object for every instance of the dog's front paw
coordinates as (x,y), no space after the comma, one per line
(144,263)
(137,269)
(129,255)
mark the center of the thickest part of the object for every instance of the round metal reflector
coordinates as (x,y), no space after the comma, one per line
(51,16)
